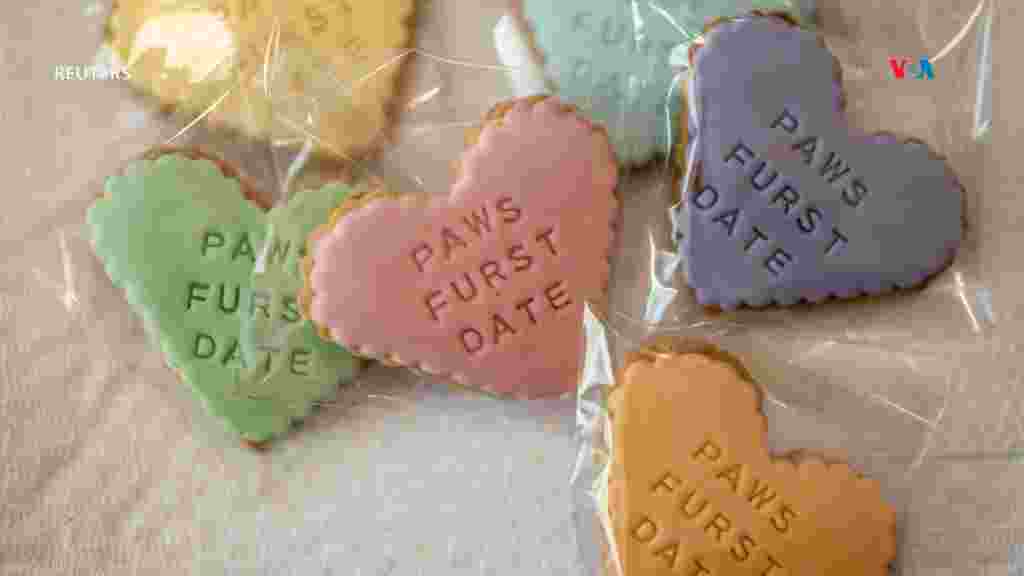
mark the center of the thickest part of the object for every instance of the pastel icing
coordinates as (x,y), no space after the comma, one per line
(485,285)
(249,64)
(183,242)
(695,490)
(789,203)
(613,59)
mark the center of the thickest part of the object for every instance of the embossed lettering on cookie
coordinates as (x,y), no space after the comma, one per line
(789,203)
(694,490)
(486,285)
(613,59)
(182,235)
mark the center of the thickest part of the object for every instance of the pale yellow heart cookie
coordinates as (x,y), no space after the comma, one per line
(695,492)
(251,63)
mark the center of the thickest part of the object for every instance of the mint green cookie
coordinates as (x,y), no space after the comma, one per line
(215,278)
(615,59)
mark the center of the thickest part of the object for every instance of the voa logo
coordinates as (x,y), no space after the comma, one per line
(905,67)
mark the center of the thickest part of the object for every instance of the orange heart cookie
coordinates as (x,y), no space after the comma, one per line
(695,492)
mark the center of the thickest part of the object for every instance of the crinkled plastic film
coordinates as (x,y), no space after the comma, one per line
(948,109)
(856,378)
(875,407)
(258,93)
(615,61)
(115,462)
(866,380)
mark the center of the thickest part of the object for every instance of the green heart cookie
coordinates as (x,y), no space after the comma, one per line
(215,278)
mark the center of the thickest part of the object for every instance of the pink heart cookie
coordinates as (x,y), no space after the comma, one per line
(486,285)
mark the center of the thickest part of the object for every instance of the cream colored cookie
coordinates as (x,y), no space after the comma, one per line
(270,68)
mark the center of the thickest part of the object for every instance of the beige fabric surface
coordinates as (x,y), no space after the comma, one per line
(109,466)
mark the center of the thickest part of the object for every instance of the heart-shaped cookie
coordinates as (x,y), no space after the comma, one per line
(216,278)
(694,490)
(216,58)
(486,285)
(785,202)
(612,59)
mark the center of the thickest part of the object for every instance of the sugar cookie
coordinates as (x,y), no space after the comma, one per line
(696,491)
(788,202)
(612,59)
(217,56)
(486,285)
(183,240)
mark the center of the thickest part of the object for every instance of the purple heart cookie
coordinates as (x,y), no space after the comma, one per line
(787,202)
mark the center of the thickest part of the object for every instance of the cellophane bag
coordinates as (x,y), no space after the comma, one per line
(926,80)
(864,380)
(364,483)
(297,107)
(876,408)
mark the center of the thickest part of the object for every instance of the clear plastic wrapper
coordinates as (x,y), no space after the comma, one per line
(614,60)
(941,96)
(271,106)
(865,380)
(876,408)
(300,106)
(258,90)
